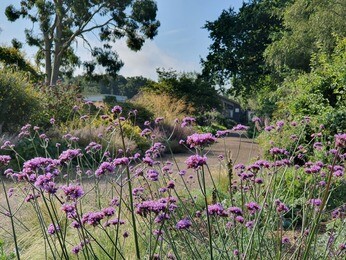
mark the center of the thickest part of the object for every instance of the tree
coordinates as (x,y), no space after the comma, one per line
(309,26)
(190,87)
(61,22)
(133,86)
(12,57)
(239,40)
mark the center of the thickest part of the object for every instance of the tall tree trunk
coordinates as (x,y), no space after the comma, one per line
(57,44)
(48,58)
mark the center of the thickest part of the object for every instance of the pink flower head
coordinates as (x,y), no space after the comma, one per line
(240,127)
(4,160)
(252,207)
(183,224)
(340,140)
(217,209)
(117,110)
(73,192)
(52,229)
(316,202)
(188,121)
(196,161)
(158,120)
(199,140)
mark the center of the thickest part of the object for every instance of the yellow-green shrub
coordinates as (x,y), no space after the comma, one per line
(19,101)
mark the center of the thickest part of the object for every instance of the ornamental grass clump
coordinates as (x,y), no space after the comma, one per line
(95,203)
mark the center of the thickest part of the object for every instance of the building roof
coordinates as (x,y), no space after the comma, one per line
(227,100)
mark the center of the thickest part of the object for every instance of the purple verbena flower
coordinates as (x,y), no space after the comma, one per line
(183,224)
(269,128)
(73,192)
(93,147)
(104,168)
(4,160)
(276,150)
(110,211)
(70,210)
(250,224)
(152,175)
(239,219)
(200,140)
(146,132)
(285,240)
(170,184)
(217,209)
(121,161)
(52,229)
(116,110)
(93,218)
(137,191)
(196,161)
(316,202)
(252,207)
(222,133)
(340,140)
(69,155)
(188,121)
(158,120)
(236,210)
(240,127)
(147,160)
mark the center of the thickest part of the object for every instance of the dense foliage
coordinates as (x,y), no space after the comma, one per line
(239,40)
(12,57)
(284,58)
(190,87)
(19,101)
(60,23)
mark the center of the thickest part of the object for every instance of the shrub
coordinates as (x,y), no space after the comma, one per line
(59,101)
(19,101)
(163,105)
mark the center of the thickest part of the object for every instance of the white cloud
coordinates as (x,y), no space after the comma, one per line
(146,61)
(142,63)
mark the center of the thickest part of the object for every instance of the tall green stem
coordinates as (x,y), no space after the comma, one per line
(323,204)
(130,196)
(208,217)
(11,218)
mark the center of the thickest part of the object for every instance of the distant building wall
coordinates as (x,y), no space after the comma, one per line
(232,110)
(100,98)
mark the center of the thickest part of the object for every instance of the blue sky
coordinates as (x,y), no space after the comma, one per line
(180,43)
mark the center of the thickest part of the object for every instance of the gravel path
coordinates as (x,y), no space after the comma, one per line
(242,150)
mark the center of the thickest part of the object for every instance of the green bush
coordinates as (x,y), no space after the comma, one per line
(19,101)
(58,102)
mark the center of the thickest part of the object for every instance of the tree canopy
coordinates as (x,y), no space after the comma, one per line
(61,23)
(309,27)
(268,43)
(239,40)
(188,86)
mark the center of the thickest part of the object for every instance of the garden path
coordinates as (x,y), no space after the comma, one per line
(242,150)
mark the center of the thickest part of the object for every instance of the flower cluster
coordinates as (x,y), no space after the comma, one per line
(69,155)
(188,121)
(156,206)
(183,224)
(73,192)
(217,209)
(196,161)
(104,168)
(4,160)
(240,127)
(200,140)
